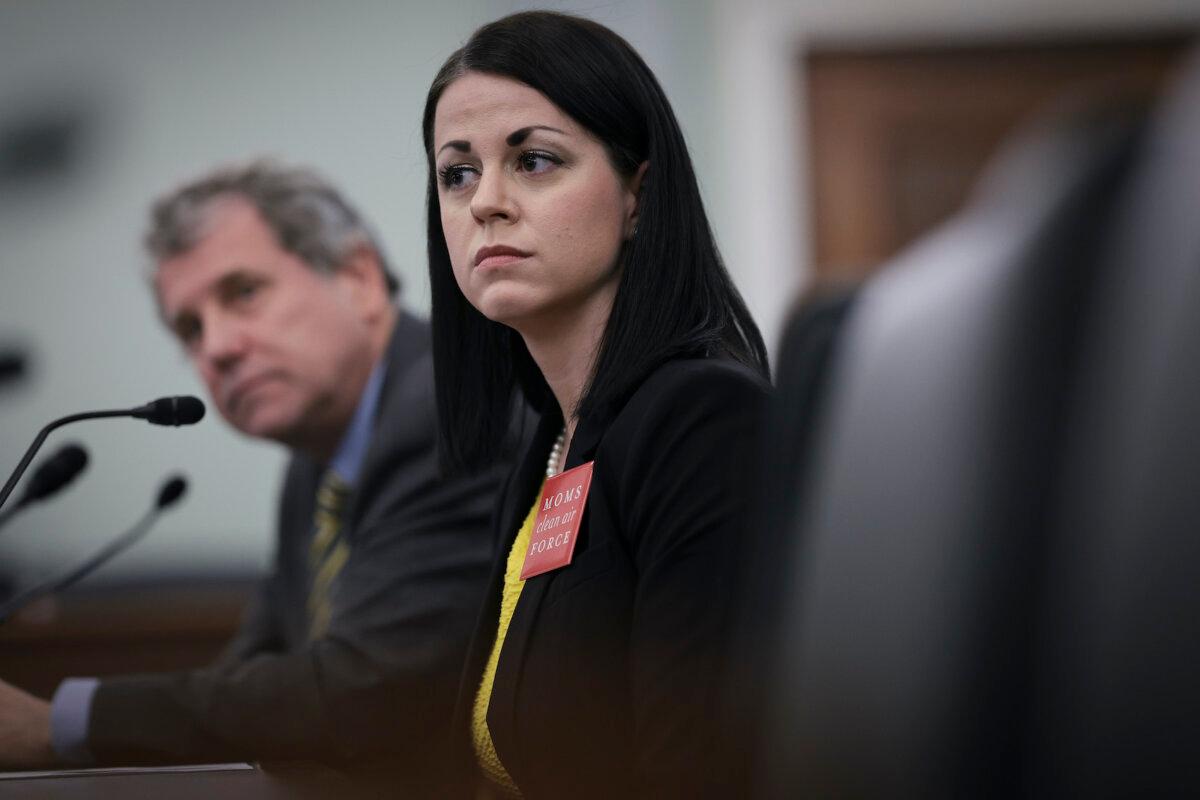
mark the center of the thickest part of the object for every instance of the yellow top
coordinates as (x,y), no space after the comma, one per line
(485,750)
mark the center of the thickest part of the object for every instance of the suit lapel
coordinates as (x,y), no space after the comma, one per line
(298,506)
(517,497)
(502,711)
(408,343)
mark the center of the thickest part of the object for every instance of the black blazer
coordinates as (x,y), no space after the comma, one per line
(608,682)
(381,684)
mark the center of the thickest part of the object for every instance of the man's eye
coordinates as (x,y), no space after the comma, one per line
(458,176)
(536,162)
(188,332)
(243,291)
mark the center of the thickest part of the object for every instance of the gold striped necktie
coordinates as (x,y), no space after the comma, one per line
(328,551)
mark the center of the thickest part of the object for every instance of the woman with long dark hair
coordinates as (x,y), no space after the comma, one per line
(573,268)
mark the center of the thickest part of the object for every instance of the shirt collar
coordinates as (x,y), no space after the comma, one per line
(347,461)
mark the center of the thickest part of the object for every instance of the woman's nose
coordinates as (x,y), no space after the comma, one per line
(493,198)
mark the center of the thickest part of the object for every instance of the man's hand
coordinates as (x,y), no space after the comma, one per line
(24,730)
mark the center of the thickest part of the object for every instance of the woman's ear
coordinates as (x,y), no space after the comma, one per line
(634,187)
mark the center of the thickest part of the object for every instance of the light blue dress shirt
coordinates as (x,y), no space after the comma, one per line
(71,707)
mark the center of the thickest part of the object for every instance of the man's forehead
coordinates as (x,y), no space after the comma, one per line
(232,237)
(226,214)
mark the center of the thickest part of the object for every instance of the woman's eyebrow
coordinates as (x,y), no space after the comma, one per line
(512,140)
(461,145)
(520,135)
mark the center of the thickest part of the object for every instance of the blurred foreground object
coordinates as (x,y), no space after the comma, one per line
(996,585)
(12,367)
(52,476)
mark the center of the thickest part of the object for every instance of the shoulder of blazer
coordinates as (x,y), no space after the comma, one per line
(678,378)
(408,347)
(676,390)
(677,395)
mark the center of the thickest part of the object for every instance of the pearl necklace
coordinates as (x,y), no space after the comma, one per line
(556,452)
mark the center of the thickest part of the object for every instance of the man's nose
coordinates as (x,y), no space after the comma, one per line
(224,341)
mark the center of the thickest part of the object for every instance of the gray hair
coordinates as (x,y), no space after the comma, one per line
(309,218)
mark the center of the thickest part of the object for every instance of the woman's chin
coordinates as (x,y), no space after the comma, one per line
(508,309)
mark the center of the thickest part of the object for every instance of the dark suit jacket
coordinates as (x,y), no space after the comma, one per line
(380,685)
(611,667)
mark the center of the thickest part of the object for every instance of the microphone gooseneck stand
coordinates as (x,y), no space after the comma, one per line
(183,410)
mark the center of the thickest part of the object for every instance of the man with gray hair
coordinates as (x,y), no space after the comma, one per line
(351,652)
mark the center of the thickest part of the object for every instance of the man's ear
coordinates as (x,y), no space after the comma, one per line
(361,278)
(634,187)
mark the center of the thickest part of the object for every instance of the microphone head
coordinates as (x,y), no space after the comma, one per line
(56,472)
(178,410)
(12,366)
(171,491)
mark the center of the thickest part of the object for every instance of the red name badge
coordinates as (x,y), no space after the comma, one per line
(560,513)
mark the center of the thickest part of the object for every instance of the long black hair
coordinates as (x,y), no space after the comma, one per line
(675,297)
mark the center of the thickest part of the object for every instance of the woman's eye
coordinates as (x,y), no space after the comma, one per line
(536,162)
(457,176)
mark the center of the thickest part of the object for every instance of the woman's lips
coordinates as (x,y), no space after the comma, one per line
(498,256)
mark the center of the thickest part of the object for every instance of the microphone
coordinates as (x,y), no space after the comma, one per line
(12,366)
(169,494)
(185,410)
(179,410)
(51,476)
